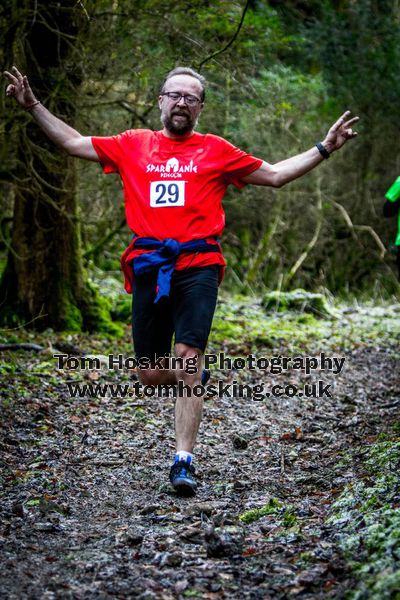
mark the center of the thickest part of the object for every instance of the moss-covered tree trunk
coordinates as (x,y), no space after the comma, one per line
(43,284)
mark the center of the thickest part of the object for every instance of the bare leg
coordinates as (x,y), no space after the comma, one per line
(157,376)
(188,410)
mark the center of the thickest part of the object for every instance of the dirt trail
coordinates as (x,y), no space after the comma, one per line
(87,511)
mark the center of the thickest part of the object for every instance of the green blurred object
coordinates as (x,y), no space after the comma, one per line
(393,192)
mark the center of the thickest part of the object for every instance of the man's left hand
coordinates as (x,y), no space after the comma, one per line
(340,132)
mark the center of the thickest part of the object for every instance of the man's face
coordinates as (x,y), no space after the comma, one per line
(179,117)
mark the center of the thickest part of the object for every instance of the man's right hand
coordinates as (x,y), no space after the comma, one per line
(57,131)
(19,88)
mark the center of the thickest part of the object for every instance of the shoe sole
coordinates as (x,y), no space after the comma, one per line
(182,488)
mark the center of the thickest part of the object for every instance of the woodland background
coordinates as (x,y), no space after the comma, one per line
(279,74)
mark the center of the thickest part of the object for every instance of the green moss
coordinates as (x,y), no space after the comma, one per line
(71,317)
(244,323)
(385,455)
(8,368)
(224,329)
(241,324)
(305,559)
(96,312)
(289,518)
(121,309)
(368,523)
(254,514)
(298,300)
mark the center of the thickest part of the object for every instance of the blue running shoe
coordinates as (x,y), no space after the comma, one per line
(205,376)
(181,476)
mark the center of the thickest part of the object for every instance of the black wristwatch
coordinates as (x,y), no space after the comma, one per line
(323,151)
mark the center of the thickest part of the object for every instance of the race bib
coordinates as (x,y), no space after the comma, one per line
(167,193)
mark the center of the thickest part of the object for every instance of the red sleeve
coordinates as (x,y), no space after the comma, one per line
(109,150)
(238,164)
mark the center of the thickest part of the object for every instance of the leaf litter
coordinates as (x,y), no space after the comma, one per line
(87,510)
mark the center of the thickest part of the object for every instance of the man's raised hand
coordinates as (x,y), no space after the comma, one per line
(340,132)
(19,88)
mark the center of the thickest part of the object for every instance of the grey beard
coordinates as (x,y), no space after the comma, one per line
(181,129)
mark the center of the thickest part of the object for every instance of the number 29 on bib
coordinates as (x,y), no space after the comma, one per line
(167,193)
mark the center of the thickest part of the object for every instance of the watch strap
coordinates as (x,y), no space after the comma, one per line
(322,150)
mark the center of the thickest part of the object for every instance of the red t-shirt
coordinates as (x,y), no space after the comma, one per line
(174,188)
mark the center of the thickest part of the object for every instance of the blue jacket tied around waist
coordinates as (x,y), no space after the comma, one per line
(164,259)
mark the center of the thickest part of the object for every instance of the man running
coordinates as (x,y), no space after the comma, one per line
(174,181)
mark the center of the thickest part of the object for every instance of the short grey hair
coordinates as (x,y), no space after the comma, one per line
(191,73)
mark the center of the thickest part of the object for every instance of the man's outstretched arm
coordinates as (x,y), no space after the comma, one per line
(296,166)
(56,130)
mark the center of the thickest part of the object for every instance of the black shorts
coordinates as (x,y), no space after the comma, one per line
(188,311)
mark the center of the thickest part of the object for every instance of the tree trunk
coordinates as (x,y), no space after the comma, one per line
(44,284)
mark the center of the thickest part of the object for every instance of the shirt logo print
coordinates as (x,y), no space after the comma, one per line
(172,168)
(172,163)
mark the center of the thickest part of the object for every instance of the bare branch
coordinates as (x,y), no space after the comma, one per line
(105,239)
(128,107)
(310,244)
(85,12)
(230,41)
(367,228)
(23,325)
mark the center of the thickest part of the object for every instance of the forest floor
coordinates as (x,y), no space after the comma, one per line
(298,496)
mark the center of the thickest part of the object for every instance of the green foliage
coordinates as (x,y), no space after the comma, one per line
(270,93)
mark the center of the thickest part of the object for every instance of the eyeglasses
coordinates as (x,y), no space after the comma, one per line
(187,98)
